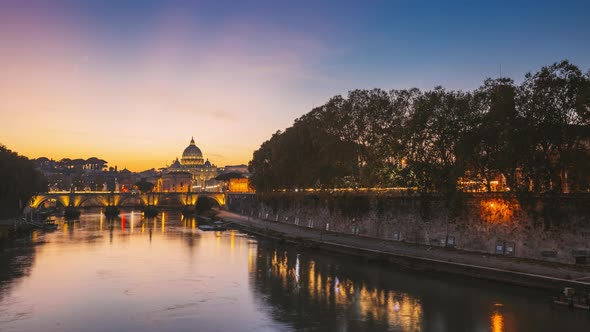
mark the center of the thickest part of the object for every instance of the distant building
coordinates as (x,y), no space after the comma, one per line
(240,185)
(82,174)
(175,182)
(191,173)
(202,172)
(243,169)
(235,182)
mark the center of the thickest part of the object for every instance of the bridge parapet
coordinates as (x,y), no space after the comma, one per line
(103,199)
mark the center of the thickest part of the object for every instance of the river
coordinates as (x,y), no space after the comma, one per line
(164,274)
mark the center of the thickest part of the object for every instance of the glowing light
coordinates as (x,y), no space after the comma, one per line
(250,260)
(497,322)
(297,270)
(312,281)
(498,210)
(232,240)
(123,222)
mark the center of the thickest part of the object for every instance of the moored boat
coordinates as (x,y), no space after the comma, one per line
(572,299)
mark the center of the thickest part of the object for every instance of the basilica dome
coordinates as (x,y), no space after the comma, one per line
(192,155)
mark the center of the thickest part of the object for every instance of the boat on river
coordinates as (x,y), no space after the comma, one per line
(214,226)
(572,299)
(47,225)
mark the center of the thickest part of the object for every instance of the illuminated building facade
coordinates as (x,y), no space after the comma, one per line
(199,172)
(175,182)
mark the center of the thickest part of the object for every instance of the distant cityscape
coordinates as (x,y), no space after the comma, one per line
(192,172)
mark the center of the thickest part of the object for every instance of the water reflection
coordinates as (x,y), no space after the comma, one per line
(497,322)
(164,274)
(313,291)
(17,258)
(321,294)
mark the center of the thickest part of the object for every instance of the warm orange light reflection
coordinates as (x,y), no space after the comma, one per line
(497,322)
(251,257)
(232,241)
(398,309)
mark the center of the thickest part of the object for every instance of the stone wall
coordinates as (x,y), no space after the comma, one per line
(552,228)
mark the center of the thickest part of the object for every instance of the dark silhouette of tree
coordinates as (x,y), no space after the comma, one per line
(495,145)
(553,103)
(535,136)
(19,181)
(144,186)
(438,124)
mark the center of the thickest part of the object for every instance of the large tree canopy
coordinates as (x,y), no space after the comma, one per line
(535,135)
(19,181)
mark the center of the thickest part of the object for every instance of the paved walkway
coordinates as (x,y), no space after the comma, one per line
(8,222)
(579,275)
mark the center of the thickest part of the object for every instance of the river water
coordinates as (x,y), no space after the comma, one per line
(164,274)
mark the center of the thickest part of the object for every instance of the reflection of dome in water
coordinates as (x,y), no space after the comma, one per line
(192,155)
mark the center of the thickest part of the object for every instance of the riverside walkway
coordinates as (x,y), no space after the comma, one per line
(514,270)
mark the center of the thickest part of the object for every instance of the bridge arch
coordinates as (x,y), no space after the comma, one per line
(219,198)
(118,199)
(208,201)
(171,199)
(98,200)
(136,199)
(38,200)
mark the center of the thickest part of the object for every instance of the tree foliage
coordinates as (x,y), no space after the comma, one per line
(534,135)
(144,186)
(19,181)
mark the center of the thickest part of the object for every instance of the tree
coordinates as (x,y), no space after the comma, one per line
(440,120)
(535,133)
(144,186)
(19,181)
(553,102)
(496,143)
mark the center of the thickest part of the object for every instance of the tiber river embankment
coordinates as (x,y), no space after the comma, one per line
(532,241)
(13,227)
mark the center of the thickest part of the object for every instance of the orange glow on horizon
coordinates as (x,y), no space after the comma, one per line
(66,94)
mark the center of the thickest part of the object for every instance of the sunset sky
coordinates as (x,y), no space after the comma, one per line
(132,81)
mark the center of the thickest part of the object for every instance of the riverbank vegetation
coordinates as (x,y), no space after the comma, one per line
(19,180)
(527,137)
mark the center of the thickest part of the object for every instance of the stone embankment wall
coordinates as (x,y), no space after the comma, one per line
(552,228)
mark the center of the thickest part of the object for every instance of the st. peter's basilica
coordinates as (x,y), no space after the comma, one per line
(192,173)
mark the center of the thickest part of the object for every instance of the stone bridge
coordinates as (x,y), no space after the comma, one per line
(103,199)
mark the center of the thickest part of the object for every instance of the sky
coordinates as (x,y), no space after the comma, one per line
(132,81)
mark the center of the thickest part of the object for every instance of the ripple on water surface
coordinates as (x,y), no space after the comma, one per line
(164,274)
